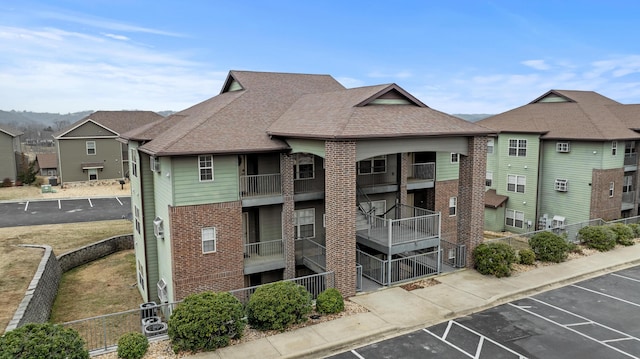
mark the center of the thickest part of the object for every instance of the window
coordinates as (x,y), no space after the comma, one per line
(373,165)
(141,274)
(136,213)
(453,205)
(304,167)
(516,183)
(490,146)
(163,292)
(154,163)
(563,147)
(627,186)
(455,157)
(561,185)
(611,188)
(134,162)
(305,223)
(488,179)
(91,147)
(517,148)
(514,218)
(205,167)
(614,148)
(630,149)
(208,240)
(158,228)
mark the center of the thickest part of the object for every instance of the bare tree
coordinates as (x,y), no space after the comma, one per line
(60,124)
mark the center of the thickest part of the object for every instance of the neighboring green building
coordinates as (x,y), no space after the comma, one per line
(11,156)
(564,158)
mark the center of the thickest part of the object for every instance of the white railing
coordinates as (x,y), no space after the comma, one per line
(424,171)
(266,249)
(314,284)
(315,253)
(628,197)
(413,225)
(315,184)
(372,267)
(399,269)
(260,185)
(630,159)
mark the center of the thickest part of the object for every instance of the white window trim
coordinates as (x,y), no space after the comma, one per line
(137,219)
(488,181)
(372,161)
(91,145)
(490,146)
(455,157)
(614,148)
(306,159)
(133,158)
(517,183)
(205,239)
(518,147)
(163,292)
(561,185)
(517,216)
(298,214)
(154,163)
(627,184)
(563,147)
(612,187)
(453,204)
(201,168)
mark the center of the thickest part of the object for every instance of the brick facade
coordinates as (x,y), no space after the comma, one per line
(288,207)
(603,206)
(449,224)
(194,271)
(404,171)
(340,202)
(471,188)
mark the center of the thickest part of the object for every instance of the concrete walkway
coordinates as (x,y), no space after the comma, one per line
(394,311)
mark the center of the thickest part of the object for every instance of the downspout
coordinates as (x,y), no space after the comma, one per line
(539,180)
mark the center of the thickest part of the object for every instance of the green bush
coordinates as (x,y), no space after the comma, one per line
(132,346)
(636,229)
(527,256)
(275,306)
(330,301)
(601,238)
(624,234)
(206,321)
(42,340)
(549,247)
(494,258)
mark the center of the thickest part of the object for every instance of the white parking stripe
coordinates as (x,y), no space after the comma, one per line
(59,204)
(26,205)
(90,204)
(118,199)
(492,341)
(606,295)
(449,343)
(356,354)
(625,277)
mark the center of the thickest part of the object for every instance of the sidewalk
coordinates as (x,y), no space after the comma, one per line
(394,311)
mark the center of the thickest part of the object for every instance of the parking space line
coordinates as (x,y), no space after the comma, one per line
(354,352)
(449,343)
(490,340)
(568,327)
(578,324)
(606,295)
(118,199)
(90,204)
(59,204)
(26,206)
(625,277)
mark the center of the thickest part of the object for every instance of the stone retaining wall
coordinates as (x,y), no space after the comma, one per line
(41,293)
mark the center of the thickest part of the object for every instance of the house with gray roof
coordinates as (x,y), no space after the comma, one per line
(11,153)
(284,175)
(88,150)
(564,158)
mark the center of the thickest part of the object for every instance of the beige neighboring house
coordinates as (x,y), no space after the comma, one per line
(10,152)
(47,164)
(87,149)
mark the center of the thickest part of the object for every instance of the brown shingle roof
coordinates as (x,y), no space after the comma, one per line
(494,200)
(47,160)
(115,121)
(10,131)
(588,116)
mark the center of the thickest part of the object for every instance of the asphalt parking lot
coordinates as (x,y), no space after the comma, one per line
(595,318)
(31,213)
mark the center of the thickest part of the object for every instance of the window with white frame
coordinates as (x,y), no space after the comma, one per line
(305,223)
(514,218)
(517,148)
(373,165)
(614,148)
(488,179)
(516,183)
(563,147)
(91,147)
(627,185)
(304,166)
(136,215)
(561,185)
(455,157)
(453,206)
(490,146)
(134,162)
(141,274)
(154,163)
(205,168)
(163,292)
(209,238)
(612,186)
(158,228)
(630,148)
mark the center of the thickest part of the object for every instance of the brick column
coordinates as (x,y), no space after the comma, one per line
(286,173)
(340,215)
(404,172)
(471,195)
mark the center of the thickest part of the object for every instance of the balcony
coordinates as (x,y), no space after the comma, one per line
(264,189)
(628,199)
(414,229)
(630,162)
(263,256)
(421,175)
(306,189)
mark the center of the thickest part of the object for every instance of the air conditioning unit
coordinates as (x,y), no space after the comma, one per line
(155,164)
(158,228)
(163,294)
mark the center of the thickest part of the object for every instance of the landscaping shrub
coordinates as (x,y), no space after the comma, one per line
(42,340)
(624,234)
(494,258)
(206,321)
(601,238)
(275,306)
(527,256)
(132,346)
(636,229)
(330,301)
(549,247)
(7,182)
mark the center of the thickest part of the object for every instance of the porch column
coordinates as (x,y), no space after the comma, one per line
(471,178)
(404,172)
(340,213)
(288,206)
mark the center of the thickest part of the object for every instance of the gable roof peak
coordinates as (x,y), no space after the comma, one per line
(388,93)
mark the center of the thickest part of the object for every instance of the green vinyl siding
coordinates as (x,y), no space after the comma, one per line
(307,146)
(610,161)
(148,215)
(445,170)
(138,238)
(89,129)
(270,223)
(73,153)
(494,219)
(8,159)
(188,190)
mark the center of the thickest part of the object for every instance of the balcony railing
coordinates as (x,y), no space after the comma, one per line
(413,224)
(263,252)
(628,197)
(260,185)
(308,185)
(314,255)
(630,159)
(423,171)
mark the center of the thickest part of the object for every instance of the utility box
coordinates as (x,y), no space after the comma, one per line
(53,181)
(45,188)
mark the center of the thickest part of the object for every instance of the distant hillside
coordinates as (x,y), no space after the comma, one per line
(472,117)
(26,119)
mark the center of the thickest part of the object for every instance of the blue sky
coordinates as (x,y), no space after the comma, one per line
(456,56)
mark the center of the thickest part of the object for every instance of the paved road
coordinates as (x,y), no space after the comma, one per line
(597,318)
(30,213)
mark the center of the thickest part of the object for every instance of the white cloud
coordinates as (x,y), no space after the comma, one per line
(397,75)
(537,64)
(117,37)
